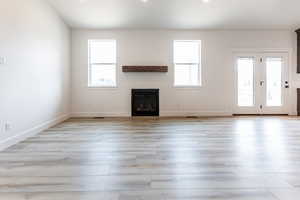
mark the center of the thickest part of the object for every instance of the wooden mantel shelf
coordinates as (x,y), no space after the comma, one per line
(145,68)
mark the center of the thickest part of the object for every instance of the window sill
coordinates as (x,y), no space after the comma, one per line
(102,87)
(187,86)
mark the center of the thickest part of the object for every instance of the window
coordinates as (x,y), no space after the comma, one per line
(102,63)
(187,62)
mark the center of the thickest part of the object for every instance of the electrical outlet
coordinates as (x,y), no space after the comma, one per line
(7,127)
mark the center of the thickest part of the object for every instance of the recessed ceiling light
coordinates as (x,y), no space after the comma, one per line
(144,1)
(205,1)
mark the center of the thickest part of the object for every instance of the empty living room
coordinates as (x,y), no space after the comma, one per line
(149,100)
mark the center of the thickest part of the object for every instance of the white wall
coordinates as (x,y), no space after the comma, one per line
(147,47)
(35,81)
(143,47)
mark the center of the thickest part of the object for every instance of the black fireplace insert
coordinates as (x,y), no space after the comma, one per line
(145,102)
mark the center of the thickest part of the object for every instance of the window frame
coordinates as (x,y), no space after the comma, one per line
(112,64)
(199,64)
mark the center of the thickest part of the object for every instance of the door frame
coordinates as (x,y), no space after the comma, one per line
(245,110)
(256,52)
(284,109)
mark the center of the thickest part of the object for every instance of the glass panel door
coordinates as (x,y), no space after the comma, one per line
(276,86)
(274,81)
(261,83)
(246,87)
(245,68)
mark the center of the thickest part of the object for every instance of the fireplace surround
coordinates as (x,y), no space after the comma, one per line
(145,102)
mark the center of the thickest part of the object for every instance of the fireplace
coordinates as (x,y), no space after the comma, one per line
(145,102)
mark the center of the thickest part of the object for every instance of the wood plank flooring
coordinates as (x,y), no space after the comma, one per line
(238,158)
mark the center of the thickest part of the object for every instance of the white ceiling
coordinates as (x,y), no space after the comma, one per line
(180,14)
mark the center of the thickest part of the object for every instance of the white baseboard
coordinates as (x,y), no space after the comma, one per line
(195,113)
(31,132)
(100,114)
(162,114)
(293,113)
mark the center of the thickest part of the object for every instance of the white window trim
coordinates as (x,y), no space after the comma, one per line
(89,85)
(199,84)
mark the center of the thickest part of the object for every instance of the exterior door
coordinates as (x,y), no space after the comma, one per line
(261,83)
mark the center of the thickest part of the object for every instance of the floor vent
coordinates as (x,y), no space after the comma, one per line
(98,117)
(192,117)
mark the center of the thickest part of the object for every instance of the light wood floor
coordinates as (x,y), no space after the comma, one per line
(242,158)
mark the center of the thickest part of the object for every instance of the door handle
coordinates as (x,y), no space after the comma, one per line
(286,84)
(261,83)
